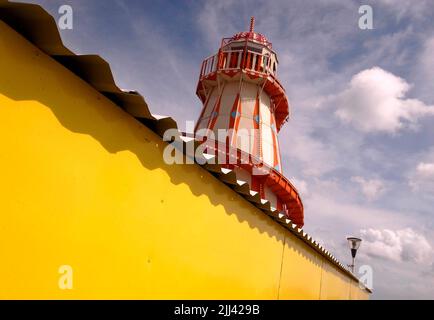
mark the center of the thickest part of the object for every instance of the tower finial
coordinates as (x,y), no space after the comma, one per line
(252,24)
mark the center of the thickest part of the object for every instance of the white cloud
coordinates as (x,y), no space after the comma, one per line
(371,188)
(422,179)
(398,246)
(375,102)
(426,169)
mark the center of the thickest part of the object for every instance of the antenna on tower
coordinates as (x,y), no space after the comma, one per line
(252,24)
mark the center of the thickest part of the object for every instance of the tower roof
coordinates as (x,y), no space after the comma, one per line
(252,35)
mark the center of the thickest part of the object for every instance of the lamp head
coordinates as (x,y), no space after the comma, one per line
(354,244)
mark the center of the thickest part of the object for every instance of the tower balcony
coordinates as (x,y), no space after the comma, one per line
(232,61)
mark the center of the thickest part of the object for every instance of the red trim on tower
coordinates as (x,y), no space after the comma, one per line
(279,204)
(203,109)
(235,118)
(256,126)
(255,184)
(235,113)
(276,156)
(258,185)
(214,114)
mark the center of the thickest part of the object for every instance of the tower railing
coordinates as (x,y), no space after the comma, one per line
(231,59)
(234,60)
(209,65)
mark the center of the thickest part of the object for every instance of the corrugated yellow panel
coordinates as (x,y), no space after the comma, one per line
(85,185)
(334,284)
(301,271)
(358,293)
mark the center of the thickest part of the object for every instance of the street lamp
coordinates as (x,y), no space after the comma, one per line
(354,246)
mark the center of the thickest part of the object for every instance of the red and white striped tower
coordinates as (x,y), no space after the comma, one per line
(241,94)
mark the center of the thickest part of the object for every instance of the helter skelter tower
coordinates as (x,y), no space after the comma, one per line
(241,94)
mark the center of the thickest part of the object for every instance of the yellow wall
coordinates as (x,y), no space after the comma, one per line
(84,184)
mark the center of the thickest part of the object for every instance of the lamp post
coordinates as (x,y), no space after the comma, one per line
(354,246)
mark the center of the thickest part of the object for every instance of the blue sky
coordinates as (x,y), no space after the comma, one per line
(360,144)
